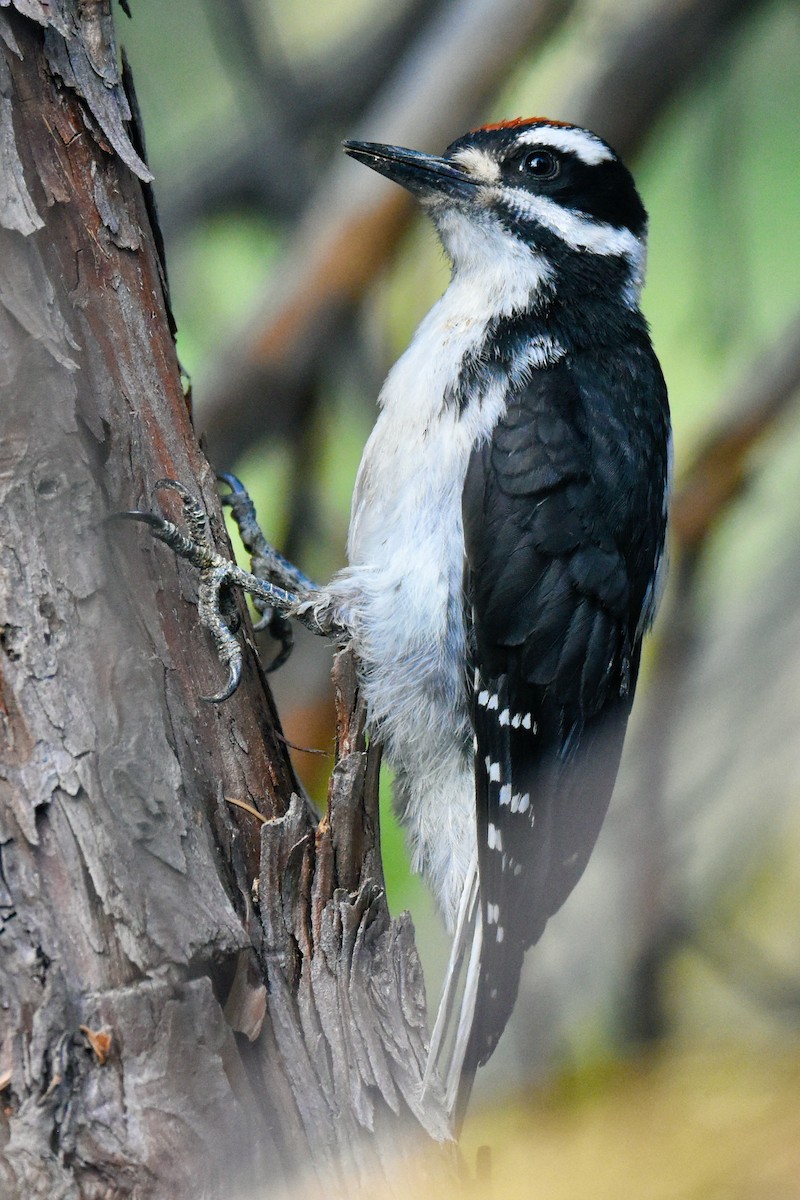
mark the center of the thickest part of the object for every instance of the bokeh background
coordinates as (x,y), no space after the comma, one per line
(655,1050)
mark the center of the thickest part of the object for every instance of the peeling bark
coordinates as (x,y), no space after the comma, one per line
(246,1030)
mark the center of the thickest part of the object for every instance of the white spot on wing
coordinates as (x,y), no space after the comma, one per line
(505,793)
(520,802)
(493,702)
(500,933)
(494,839)
(494,772)
(504,717)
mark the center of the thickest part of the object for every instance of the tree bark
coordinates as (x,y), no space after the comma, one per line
(193,998)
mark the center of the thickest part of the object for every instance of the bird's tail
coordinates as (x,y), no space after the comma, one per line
(451,1037)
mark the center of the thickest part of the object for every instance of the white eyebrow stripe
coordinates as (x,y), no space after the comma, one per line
(584,145)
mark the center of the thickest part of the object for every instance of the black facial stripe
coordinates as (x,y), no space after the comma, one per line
(604,191)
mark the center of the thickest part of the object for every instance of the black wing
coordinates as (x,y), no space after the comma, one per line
(563,525)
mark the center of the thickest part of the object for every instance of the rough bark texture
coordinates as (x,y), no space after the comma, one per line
(241,1030)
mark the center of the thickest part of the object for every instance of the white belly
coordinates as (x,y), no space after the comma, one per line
(403,592)
(407,560)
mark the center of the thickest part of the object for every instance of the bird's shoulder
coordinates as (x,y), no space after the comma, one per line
(562,509)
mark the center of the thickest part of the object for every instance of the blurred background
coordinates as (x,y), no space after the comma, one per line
(655,1049)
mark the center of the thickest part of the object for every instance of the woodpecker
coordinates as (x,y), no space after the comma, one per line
(506,546)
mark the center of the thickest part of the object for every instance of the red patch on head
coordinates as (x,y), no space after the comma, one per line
(518,122)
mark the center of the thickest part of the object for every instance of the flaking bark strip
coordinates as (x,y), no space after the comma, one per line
(314,1104)
(314,1032)
(280,840)
(350,712)
(324,881)
(331,1002)
(95,77)
(294,899)
(348,833)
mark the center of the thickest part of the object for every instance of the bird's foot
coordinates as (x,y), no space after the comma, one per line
(219,576)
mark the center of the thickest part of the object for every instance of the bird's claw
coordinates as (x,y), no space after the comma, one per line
(262,561)
(277,588)
(218,575)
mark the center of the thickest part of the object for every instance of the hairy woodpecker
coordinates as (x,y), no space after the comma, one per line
(506,544)
(507,535)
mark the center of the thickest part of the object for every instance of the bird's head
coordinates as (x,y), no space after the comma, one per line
(556,190)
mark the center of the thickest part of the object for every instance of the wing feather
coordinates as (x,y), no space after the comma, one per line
(556,577)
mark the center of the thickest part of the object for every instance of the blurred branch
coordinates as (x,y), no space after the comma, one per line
(357,218)
(744,966)
(356,222)
(713,481)
(269,168)
(290,124)
(350,75)
(720,469)
(647,62)
(259,67)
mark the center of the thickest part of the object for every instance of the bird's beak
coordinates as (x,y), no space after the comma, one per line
(423,174)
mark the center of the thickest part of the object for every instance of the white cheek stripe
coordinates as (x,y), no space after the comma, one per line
(584,145)
(577,230)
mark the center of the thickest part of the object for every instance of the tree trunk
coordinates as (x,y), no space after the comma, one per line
(193,999)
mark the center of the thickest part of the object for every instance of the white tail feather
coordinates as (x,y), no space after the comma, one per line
(466,909)
(465,1018)
(468,931)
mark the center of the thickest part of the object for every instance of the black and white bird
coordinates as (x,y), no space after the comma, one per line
(506,544)
(507,536)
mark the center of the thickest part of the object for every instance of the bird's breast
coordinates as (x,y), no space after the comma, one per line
(406,540)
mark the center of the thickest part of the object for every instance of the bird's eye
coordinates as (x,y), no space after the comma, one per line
(541,164)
